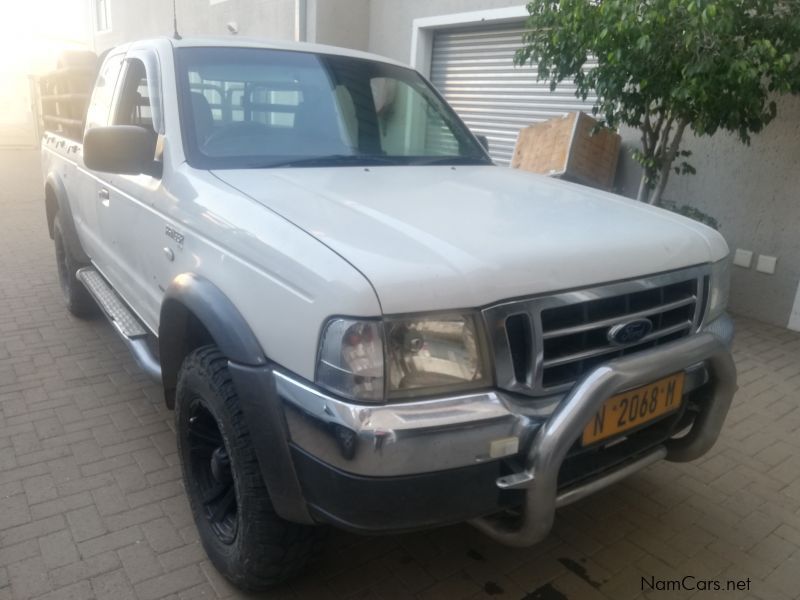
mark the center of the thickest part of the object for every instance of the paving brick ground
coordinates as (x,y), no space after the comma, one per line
(91,503)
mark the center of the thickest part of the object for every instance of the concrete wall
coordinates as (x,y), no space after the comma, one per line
(131,20)
(335,22)
(754,193)
(339,23)
(390,21)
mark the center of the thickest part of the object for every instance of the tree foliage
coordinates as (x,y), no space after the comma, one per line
(665,65)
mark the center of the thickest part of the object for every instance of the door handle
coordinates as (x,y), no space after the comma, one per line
(104,196)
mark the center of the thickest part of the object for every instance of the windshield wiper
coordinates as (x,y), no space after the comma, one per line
(340,160)
(451,160)
(329,160)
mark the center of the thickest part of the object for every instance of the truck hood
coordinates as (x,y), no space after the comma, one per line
(431,237)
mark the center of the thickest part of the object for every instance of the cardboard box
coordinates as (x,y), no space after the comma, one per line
(565,147)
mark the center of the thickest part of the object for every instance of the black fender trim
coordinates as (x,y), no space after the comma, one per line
(187,295)
(62,207)
(261,405)
(195,312)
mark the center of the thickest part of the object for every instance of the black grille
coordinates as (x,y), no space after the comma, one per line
(518,331)
(545,345)
(576,337)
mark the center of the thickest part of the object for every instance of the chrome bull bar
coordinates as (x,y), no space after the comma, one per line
(556,436)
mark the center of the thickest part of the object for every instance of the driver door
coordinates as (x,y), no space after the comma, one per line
(87,201)
(131,218)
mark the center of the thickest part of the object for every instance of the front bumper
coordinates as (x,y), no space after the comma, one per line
(404,466)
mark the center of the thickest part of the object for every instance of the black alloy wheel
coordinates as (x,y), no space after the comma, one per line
(246,540)
(210,465)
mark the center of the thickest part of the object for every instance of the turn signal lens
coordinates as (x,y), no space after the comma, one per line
(351,359)
(719,288)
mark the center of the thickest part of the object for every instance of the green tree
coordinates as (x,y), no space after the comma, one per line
(665,65)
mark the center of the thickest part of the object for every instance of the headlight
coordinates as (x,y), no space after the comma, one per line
(719,288)
(350,361)
(402,357)
(434,354)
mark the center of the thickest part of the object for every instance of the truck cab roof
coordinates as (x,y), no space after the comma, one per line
(249,42)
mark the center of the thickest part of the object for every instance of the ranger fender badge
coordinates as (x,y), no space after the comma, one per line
(174,235)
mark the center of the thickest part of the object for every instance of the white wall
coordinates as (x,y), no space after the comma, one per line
(794,318)
(339,23)
(390,20)
(335,22)
(754,192)
(139,19)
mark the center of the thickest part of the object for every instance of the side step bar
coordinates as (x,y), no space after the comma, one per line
(126,324)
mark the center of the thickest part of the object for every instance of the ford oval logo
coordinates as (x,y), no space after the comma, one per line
(629,332)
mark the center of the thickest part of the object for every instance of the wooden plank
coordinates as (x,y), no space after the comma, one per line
(568,147)
(56,120)
(67,97)
(544,147)
(71,72)
(594,154)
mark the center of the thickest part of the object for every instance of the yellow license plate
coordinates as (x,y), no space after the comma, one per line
(633,408)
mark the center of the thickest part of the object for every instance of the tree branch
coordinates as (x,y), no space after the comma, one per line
(652,147)
(657,130)
(648,142)
(646,133)
(659,152)
(667,160)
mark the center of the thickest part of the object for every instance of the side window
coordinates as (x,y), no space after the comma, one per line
(100,105)
(403,114)
(133,104)
(138,99)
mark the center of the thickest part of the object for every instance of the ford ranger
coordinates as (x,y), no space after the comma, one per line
(358,319)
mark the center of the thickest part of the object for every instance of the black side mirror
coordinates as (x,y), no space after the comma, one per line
(122,149)
(484,141)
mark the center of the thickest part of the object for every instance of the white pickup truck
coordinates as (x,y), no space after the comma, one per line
(358,318)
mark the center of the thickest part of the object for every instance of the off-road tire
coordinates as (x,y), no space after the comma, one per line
(266,549)
(76,296)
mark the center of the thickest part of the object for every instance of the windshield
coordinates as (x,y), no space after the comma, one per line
(259,108)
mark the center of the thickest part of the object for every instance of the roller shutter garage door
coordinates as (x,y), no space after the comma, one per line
(474,69)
